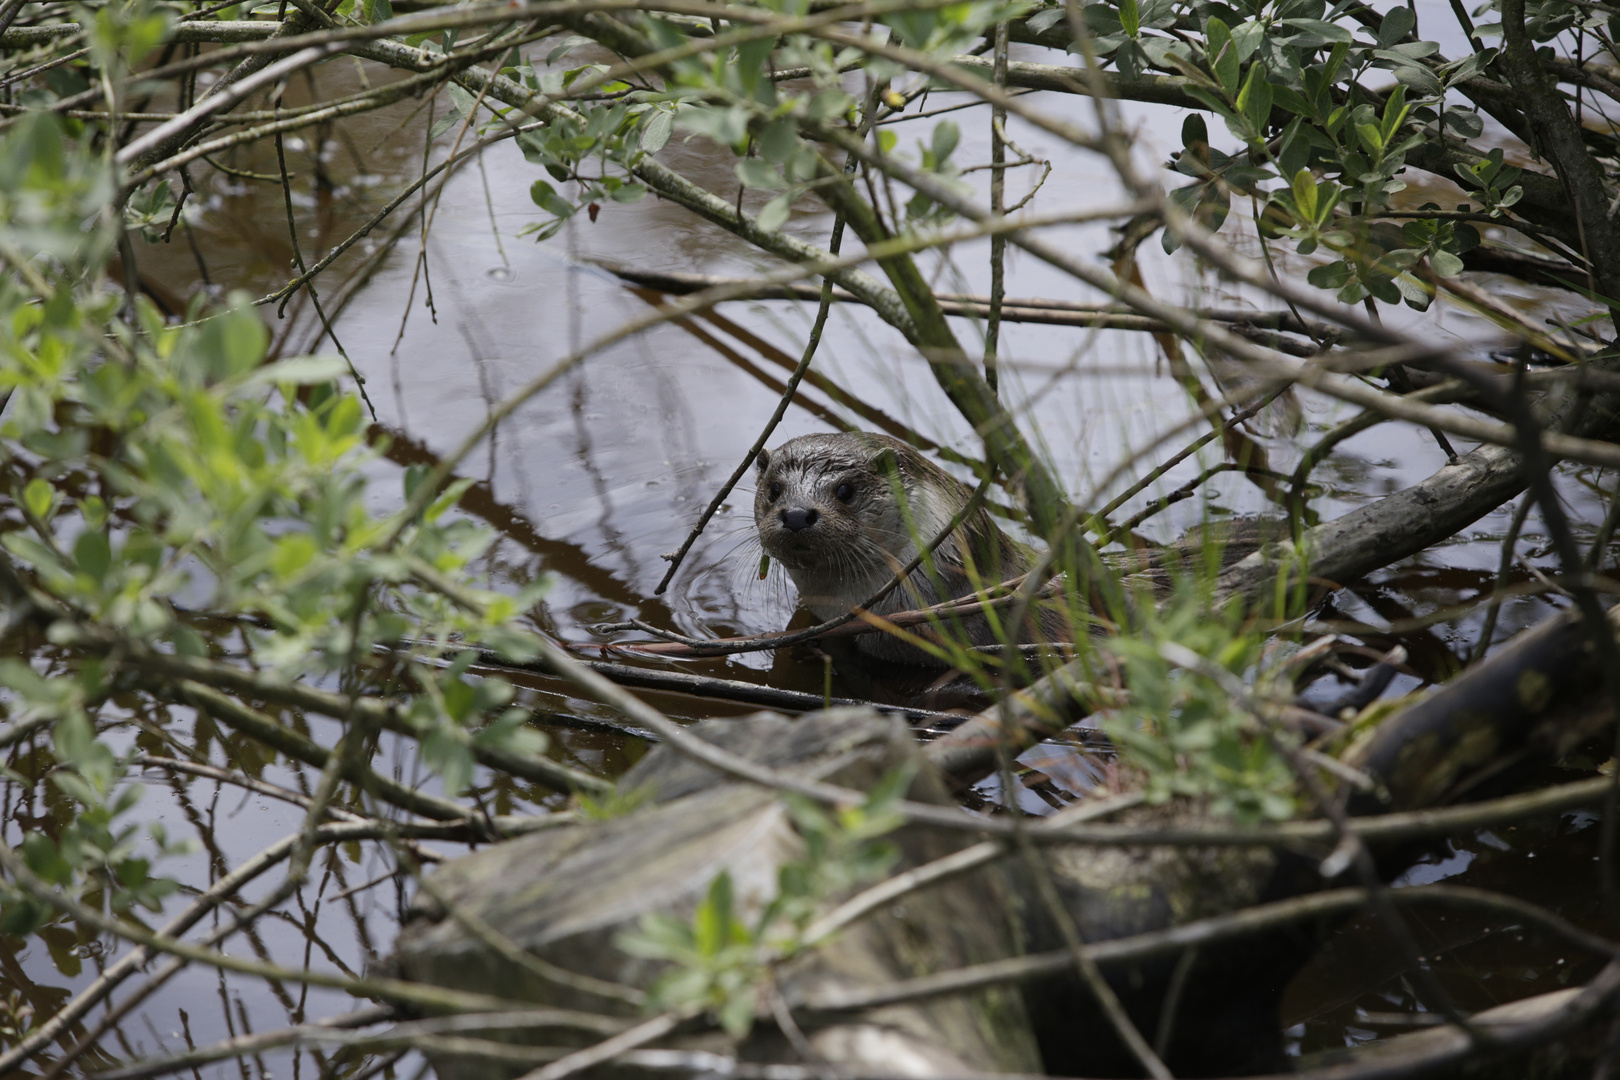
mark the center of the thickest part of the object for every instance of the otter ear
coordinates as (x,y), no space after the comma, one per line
(763,461)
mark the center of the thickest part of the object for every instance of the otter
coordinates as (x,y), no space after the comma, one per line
(844,513)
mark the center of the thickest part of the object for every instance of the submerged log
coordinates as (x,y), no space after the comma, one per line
(566,896)
(1213,1012)
(1531,702)
(1535,699)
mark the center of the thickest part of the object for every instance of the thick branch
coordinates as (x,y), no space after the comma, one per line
(1559,139)
(1339,551)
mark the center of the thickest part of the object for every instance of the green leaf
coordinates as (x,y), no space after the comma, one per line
(450,758)
(727,127)
(145,34)
(1222,53)
(1194,132)
(1292,100)
(1327,198)
(755,173)
(751,57)
(242,336)
(775,213)
(76,787)
(39,497)
(1395,110)
(74,740)
(450,496)
(1398,23)
(1333,275)
(1463,122)
(22,916)
(946,137)
(736,1016)
(566,46)
(829,104)
(1254,101)
(711,924)
(1445,263)
(778,141)
(31,550)
(1414,292)
(804,164)
(443,124)
(657,937)
(292,552)
(656,131)
(1328,33)
(1214,104)
(1383,288)
(93,554)
(1293,148)
(45,860)
(1129,18)
(1305,194)
(378,10)
(1246,37)
(1420,79)
(299,371)
(1044,20)
(460,99)
(511,732)
(546,197)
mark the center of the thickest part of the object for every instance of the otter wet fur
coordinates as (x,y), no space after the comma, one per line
(844,513)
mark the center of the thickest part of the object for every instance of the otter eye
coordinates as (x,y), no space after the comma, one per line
(774,491)
(845,492)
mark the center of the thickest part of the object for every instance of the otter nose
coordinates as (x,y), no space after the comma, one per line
(799,518)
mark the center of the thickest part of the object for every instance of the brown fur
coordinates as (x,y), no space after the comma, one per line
(846,548)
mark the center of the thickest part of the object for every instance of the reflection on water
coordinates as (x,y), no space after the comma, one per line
(590,482)
(1356,989)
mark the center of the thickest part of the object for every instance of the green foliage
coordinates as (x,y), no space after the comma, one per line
(721,957)
(16,1017)
(843,849)
(122,35)
(728,97)
(1491,182)
(1183,731)
(97,849)
(150,210)
(716,963)
(617,802)
(159,467)
(1322,154)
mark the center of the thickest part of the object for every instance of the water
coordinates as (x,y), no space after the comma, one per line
(592,480)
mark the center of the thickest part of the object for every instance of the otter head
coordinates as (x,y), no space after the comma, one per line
(843,513)
(829,504)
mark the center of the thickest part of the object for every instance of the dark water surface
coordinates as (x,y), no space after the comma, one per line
(588,483)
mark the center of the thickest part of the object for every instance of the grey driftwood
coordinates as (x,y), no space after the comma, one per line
(566,895)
